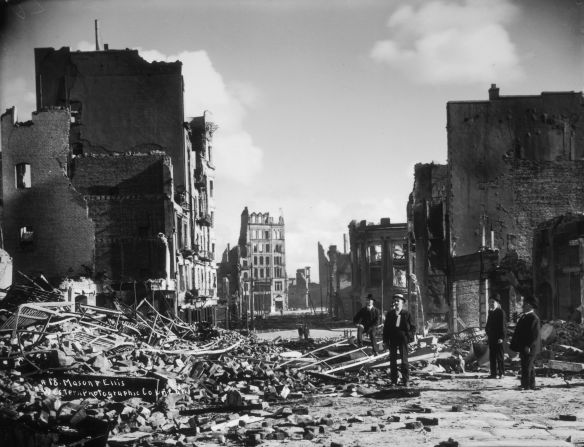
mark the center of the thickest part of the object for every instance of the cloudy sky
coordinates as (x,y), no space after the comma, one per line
(323,106)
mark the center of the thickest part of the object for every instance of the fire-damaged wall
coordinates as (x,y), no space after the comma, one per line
(558,258)
(129,198)
(427,222)
(119,102)
(514,162)
(46,225)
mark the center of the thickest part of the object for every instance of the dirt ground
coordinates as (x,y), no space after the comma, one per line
(470,409)
(488,413)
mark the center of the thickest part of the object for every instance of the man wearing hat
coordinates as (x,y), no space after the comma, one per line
(367,320)
(496,330)
(527,341)
(398,331)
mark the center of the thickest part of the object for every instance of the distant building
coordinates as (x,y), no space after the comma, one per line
(256,268)
(108,182)
(303,293)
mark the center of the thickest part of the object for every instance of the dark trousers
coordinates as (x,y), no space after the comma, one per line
(372,332)
(400,349)
(527,370)
(496,358)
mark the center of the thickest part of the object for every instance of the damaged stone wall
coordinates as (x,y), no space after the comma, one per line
(60,236)
(427,218)
(129,201)
(119,101)
(514,162)
(558,258)
(341,286)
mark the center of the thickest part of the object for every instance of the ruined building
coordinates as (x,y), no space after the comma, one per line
(379,257)
(303,293)
(514,189)
(108,182)
(335,275)
(427,220)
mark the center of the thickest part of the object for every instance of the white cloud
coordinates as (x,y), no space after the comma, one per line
(236,156)
(18,93)
(85,45)
(446,42)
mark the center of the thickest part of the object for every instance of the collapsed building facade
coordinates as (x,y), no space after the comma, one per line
(109,183)
(380,265)
(303,293)
(336,277)
(507,222)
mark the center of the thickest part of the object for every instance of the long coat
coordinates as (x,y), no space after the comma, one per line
(406,329)
(496,328)
(367,317)
(527,334)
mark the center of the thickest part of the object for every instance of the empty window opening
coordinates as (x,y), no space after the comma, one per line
(26,237)
(23,177)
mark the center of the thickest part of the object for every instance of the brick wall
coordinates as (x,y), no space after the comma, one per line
(127,202)
(514,162)
(58,214)
(467,293)
(126,103)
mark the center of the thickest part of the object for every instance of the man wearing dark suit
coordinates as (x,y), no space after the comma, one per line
(398,331)
(496,330)
(367,320)
(527,341)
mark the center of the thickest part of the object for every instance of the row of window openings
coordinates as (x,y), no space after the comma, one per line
(259,248)
(23,177)
(264,273)
(277,260)
(277,286)
(257,234)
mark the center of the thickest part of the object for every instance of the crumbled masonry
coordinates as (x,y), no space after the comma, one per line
(124,377)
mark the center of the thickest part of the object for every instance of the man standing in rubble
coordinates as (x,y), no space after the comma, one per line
(496,330)
(367,320)
(398,331)
(527,341)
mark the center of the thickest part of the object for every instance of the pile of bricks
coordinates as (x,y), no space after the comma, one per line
(83,375)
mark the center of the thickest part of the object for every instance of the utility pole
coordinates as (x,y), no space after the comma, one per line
(252,306)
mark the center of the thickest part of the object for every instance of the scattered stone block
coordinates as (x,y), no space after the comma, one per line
(428,421)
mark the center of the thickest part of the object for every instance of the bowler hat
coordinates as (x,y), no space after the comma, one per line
(496,298)
(532,301)
(370,297)
(399,296)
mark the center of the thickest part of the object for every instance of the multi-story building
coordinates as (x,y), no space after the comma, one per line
(507,223)
(108,182)
(379,257)
(263,263)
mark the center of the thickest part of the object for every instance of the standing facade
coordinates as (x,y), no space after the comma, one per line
(103,182)
(263,277)
(515,167)
(379,258)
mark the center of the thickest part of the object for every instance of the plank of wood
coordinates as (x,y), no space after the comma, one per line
(565,366)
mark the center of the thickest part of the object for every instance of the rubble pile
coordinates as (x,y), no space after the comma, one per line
(560,332)
(127,376)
